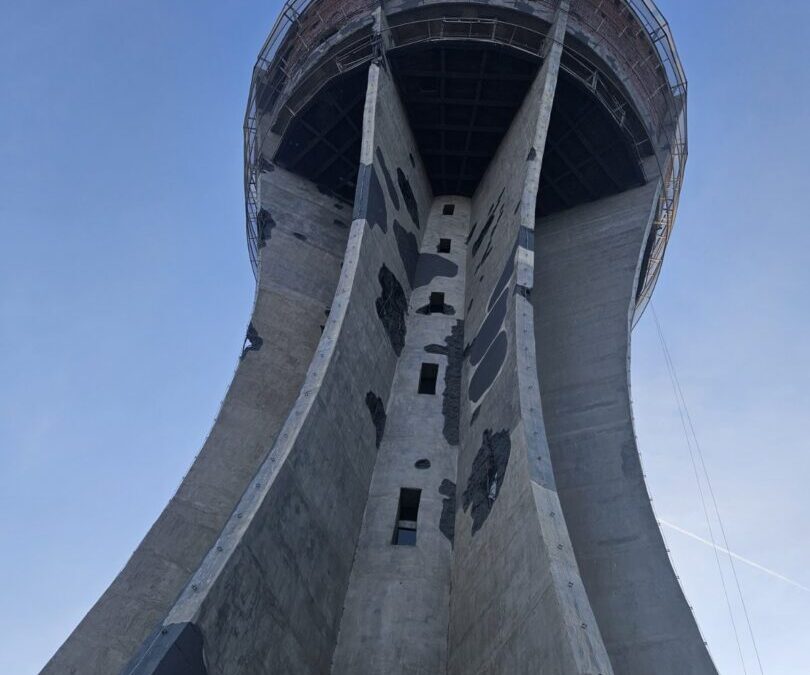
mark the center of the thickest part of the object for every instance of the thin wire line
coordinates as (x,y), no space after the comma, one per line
(713,497)
(670,369)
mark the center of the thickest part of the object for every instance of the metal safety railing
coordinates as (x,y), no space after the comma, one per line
(634,32)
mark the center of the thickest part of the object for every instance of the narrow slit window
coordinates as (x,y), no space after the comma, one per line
(448,209)
(427,378)
(444,246)
(436,303)
(407,515)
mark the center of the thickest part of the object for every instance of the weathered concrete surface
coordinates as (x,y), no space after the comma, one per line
(518,605)
(269,595)
(295,288)
(587,263)
(397,607)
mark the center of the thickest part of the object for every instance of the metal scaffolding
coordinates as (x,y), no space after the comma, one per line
(633,31)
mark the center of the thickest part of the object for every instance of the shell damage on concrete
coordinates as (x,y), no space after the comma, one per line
(451,398)
(374,210)
(430,266)
(376,409)
(489,368)
(408,196)
(389,183)
(408,250)
(447,521)
(175,648)
(253,341)
(491,218)
(486,476)
(392,308)
(265,225)
(449,310)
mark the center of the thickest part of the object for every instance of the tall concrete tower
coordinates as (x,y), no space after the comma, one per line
(426,463)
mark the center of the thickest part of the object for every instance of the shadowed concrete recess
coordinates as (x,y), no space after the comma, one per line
(426,462)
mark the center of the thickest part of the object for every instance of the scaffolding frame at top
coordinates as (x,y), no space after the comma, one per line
(665,104)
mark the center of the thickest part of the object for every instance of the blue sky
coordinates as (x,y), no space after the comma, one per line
(125,291)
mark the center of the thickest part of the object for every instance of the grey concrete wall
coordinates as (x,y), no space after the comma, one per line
(397,607)
(269,595)
(518,605)
(587,263)
(297,281)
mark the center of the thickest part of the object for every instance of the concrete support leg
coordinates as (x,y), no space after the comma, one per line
(518,604)
(304,233)
(587,265)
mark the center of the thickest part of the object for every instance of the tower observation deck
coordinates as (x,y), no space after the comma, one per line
(426,463)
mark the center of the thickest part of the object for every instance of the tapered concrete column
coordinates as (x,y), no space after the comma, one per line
(518,604)
(296,283)
(587,266)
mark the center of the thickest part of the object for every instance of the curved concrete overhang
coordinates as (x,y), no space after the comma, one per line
(622,52)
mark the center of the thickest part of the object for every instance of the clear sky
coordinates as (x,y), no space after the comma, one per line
(125,290)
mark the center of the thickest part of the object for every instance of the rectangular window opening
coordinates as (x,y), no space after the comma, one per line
(444,246)
(436,303)
(407,515)
(427,378)
(448,209)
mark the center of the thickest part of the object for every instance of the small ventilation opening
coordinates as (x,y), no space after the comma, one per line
(448,209)
(427,378)
(444,246)
(436,304)
(407,513)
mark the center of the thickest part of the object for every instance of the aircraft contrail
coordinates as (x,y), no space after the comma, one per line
(734,555)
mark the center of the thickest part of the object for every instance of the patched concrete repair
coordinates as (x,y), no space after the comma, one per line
(456,211)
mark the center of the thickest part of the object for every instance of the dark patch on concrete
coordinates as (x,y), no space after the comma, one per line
(376,210)
(413,161)
(392,191)
(449,310)
(408,250)
(370,201)
(489,329)
(517,206)
(526,238)
(523,291)
(484,257)
(432,265)
(447,521)
(300,236)
(376,409)
(475,415)
(486,476)
(392,308)
(480,239)
(532,155)
(470,304)
(422,464)
(339,223)
(451,398)
(338,206)
(503,280)
(264,226)
(253,341)
(489,368)
(408,197)
(472,233)
(176,649)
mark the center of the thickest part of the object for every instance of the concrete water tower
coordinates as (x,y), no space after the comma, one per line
(426,463)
